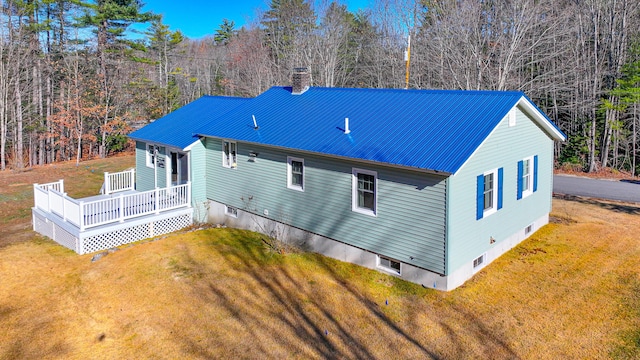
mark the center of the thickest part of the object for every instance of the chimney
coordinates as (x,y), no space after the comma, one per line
(301,80)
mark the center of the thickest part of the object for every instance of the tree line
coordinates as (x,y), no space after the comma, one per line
(75,76)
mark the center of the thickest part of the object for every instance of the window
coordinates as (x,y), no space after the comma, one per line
(528,229)
(364,197)
(152,152)
(527,176)
(478,262)
(389,265)
(229,154)
(489,193)
(295,173)
(231,211)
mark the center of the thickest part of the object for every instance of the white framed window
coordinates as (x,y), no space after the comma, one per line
(229,154)
(389,265)
(365,191)
(479,262)
(295,173)
(231,211)
(512,117)
(526,176)
(152,154)
(490,193)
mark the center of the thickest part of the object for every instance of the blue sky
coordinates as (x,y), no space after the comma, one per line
(198,18)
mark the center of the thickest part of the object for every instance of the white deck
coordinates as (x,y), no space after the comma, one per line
(121,216)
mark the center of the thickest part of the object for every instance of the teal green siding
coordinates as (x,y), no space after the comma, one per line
(467,237)
(198,177)
(410,221)
(145,176)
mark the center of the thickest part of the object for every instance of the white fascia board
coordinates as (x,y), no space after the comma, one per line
(540,118)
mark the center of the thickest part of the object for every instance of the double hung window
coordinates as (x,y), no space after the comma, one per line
(295,173)
(364,191)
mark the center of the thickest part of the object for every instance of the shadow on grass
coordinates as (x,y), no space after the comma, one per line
(620,207)
(22,347)
(300,319)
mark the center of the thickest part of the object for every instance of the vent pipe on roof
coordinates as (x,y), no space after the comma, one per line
(255,124)
(346,126)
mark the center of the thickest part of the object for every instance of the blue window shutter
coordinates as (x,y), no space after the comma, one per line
(500,175)
(535,173)
(520,171)
(480,197)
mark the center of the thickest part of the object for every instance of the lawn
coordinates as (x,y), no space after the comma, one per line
(571,291)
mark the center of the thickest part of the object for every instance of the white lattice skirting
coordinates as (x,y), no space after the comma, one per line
(112,235)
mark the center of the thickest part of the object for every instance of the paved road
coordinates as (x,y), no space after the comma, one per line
(627,191)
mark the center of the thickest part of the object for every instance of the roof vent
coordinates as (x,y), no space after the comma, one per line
(346,126)
(300,80)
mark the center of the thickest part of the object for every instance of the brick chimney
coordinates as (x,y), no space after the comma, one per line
(300,80)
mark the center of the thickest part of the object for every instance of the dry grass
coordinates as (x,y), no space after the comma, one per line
(570,291)
(16,190)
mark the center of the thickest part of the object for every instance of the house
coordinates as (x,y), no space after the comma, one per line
(426,185)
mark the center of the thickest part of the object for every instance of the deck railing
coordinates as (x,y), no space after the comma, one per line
(117,208)
(120,181)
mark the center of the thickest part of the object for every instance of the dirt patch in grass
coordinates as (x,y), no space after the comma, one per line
(16,190)
(570,291)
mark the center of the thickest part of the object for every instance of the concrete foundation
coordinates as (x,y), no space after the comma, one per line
(218,214)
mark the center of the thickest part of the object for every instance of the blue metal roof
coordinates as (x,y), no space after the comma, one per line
(177,128)
(436,130)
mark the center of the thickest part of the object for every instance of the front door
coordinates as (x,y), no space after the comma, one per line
(179,168)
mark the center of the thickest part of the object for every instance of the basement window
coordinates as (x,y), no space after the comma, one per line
(389,265)
(528,229)
(478,262)
(231,211)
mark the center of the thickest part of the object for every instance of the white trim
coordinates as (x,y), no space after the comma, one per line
(494,194)
(232,162)
(512,117)
(354,192)
(386,268)
(190,146)
(148,156)
(290,185)
(529,189)
(540,118)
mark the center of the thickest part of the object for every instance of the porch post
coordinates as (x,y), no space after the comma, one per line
(157,201)
(81,215)
(132,179)
(61,185)
(35,201)
(106,183)
(121,206)
(189,193)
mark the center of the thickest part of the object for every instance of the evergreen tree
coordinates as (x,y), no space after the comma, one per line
(224,32)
